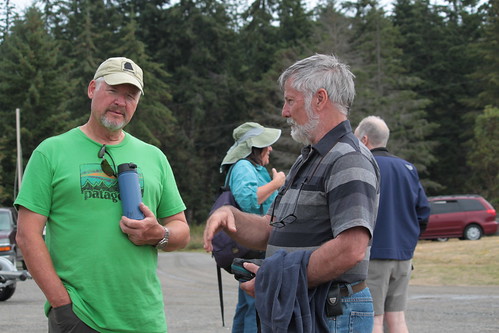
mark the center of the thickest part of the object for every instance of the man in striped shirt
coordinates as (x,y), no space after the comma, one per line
(329,202)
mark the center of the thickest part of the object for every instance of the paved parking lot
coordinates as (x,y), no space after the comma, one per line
(192,306)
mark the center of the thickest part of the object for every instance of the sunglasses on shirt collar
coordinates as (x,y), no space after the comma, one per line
(104,164)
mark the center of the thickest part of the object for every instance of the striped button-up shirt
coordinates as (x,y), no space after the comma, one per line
(333,186)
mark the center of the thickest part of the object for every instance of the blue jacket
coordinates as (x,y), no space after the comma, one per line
(403,208)
(283,301)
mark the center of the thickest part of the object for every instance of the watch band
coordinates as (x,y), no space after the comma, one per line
(164,241)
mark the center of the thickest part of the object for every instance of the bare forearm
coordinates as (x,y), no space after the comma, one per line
(265,191)
(179,235)
(252,230)
(36,255)
(337,256)
(42,270)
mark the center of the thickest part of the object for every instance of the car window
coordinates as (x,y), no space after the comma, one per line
(4,221)
(471,205)
(444,206)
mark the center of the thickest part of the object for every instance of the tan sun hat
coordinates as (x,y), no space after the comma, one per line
(120,70)
(246,136)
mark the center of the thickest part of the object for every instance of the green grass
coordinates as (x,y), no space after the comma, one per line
(457,262)
(196,243)
(453,263)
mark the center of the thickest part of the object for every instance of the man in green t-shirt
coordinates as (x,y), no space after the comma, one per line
(96,267)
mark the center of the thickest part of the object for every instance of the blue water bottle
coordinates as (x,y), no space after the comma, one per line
(131,197)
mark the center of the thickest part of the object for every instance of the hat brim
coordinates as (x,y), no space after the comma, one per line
(268,137)
(123,78)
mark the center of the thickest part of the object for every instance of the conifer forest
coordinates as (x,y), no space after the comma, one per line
(429,69)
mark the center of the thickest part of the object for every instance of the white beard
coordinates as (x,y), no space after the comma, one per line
(304,133)
(112,125)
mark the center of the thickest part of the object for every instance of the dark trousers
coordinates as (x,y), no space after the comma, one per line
(63,320)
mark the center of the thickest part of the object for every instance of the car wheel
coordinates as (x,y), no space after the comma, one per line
(473,232)
(7,292)
(442,239)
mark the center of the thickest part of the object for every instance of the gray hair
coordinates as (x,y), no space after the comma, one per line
(98,82)
(322,71)
(375,129)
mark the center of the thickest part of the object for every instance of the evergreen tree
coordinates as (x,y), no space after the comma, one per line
(483,157)
(487,49)
(198,50)
(7,16)
(385,89)
(258,39)
(153,121)
(436,47)
(88,32)
(295,25)
(34,79)
(332,32)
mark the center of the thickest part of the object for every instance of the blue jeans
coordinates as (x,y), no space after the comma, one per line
(245,317)
(358,314)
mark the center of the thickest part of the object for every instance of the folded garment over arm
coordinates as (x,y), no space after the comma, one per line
(283,301)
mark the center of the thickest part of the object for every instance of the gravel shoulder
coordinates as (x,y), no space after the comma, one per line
(192,303)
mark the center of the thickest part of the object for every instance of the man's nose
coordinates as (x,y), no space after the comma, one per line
(285,111)
(120,100)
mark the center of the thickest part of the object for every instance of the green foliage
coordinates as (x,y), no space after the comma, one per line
(385,89)
(210,65)
(437,50)
(34,79)
(483,157)
(487,49)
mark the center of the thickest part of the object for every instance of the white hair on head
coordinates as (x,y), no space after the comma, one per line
(375,129)
(322,71)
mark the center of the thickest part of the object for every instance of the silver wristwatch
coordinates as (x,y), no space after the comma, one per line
(164,241)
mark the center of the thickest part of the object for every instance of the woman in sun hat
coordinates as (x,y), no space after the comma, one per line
(254,190)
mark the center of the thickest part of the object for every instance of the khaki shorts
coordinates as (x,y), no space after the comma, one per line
(388,281)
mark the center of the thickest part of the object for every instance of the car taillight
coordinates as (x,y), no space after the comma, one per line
(5,248)
(491,212)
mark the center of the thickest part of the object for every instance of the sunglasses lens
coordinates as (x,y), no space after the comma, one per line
(288,219)
(107,168)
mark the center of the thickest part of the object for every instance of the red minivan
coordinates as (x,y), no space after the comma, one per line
(460,216)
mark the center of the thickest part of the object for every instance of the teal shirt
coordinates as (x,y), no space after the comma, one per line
(245,179)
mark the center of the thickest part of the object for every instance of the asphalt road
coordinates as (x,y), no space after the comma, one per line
(192,306)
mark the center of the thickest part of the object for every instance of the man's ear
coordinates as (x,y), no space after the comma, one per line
(321,98)
(91,89)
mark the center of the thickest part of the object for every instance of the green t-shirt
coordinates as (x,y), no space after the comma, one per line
(112,282)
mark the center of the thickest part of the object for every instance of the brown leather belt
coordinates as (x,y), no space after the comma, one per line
(344,290)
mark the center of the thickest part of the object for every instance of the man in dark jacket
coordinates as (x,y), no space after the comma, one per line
(402,216)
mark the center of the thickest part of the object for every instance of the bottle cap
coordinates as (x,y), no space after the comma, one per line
(127,167)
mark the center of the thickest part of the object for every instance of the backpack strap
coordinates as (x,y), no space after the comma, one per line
(226,186)
(220,294)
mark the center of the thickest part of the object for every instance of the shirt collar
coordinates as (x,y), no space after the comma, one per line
(332,137)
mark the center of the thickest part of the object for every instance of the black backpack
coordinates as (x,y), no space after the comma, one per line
(225,249)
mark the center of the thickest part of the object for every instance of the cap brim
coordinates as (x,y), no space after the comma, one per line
(123,78)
